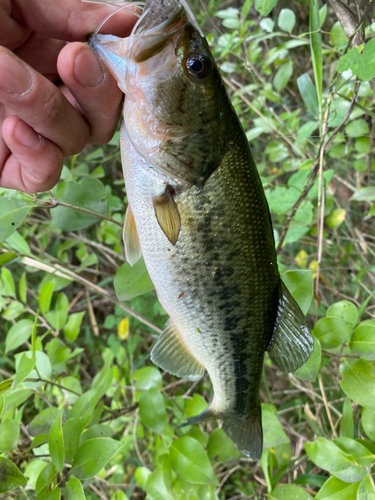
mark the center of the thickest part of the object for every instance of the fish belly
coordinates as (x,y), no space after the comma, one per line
(219,282)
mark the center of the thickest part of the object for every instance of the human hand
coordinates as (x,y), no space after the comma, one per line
(41,122)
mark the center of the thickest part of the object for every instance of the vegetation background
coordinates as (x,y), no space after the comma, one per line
(84,413)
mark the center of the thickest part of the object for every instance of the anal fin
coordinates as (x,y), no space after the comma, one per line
(133,250)
(167,214)
(291,343)
(172,355)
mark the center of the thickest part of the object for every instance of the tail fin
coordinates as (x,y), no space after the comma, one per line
(246,433)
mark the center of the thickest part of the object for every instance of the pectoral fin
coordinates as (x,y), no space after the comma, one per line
(172,355)
(167,214)
(291,343)
(133,249)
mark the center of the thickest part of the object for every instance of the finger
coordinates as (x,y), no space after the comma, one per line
(40,104)
(41,53)
(12,34)
(72,19)
(34,164)
(93,88)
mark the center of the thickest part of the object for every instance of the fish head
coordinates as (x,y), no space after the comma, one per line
(176,107)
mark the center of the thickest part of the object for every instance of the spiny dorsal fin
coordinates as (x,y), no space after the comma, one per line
(291,343)
(172,355)
(167,214)
(133,249)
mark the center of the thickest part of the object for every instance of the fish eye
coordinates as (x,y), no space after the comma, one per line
(197,65)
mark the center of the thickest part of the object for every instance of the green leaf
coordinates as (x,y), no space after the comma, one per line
(308,93)
(277,151)
(56,443)
(72,326)
(45,296)
(360,453)
(18,243)
(85,404)
(358,382)
(274,434)
(25,366)
(337,37)
(74,490)
(156,488)
(332,332)
(336,218)
(310,369)
(362,341)
(357,128)
(147,377)
(152,410)
(72,432)
(328,456)
(8,282)
(345,310)
(13,212)
(22,287)
(39,440)
(361,65)
(322,14)
(289,492)
(335,489)
(89,194)
(194,406)
(41,423)
(366,489)
(368,422)
(10,477)
(221,446)
(58,314)
(13,311)
(300,284)
(282,199)
(95,431)
(9,435)
(55,494)
(364,194)
(44,483)
(18,334)
(141,475)
(283,76)
(316,48)
(132,281)
(93,455)
(5,385)
(286,20)
(264,7)
(347,423)
(189,460)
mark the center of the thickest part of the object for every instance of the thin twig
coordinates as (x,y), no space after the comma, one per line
(314,169)
(53,203)
(322,390)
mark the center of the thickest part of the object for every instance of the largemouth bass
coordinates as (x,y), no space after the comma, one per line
(198,214)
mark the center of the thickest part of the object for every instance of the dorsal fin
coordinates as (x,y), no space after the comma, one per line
(172,355)
(133,249)
(291,343)
(167,214)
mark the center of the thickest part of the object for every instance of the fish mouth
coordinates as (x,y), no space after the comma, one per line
(160,21)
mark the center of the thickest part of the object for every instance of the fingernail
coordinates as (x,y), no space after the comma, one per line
(87,71)
(26,136)
(14,76)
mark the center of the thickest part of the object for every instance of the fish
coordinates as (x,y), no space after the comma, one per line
(198,214)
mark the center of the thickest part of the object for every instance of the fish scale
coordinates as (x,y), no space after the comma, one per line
(198,214)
